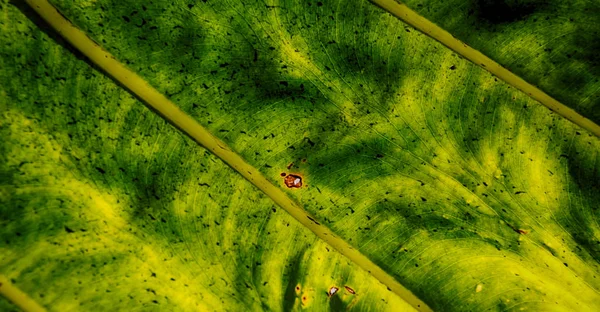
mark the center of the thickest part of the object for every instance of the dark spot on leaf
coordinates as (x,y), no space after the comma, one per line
(69,230)
(293,181)
(313,220)
(452,67)
(282,174)
(350,290)
(100,170)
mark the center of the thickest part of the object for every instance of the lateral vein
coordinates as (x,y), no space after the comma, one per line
(412,18)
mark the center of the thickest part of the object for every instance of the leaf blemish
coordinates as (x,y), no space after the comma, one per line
(293,181)
(332,291)
(350,290)
(313,220)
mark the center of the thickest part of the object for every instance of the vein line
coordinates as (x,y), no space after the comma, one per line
(412,18)
(17,296)
(174,115)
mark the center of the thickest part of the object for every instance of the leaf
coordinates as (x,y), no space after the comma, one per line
(110,207)
(469,193)
(551,44)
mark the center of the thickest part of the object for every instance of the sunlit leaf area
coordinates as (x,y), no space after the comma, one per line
(454,184)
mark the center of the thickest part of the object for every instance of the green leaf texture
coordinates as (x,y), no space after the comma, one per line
(552,44)
(466,191)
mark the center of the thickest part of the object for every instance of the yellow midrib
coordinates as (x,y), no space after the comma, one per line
(425,26)
(202,136)
(16,296)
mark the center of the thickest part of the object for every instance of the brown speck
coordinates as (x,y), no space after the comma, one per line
(522,231)
(350,290)
(283,174)
(293,181)
(290,165)
(304,160)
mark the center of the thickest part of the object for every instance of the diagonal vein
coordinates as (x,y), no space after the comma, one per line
(17,296)
(427,27)
(170,112)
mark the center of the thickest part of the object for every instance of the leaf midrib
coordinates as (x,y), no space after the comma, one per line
(170,112)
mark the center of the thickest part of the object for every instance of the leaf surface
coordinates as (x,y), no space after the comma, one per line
(105,206)
(466,191)
(552,44)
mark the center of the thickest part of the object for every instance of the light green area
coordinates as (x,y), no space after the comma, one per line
(552,44)
(421,160)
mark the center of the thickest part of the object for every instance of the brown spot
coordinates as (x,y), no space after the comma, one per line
(283,174)
(332,291)
(350,290)
(293,181)
(304,160)
(290,165)
(521,231)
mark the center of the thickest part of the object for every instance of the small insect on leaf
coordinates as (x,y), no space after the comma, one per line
(332,291)
(350,290)
(293,181)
